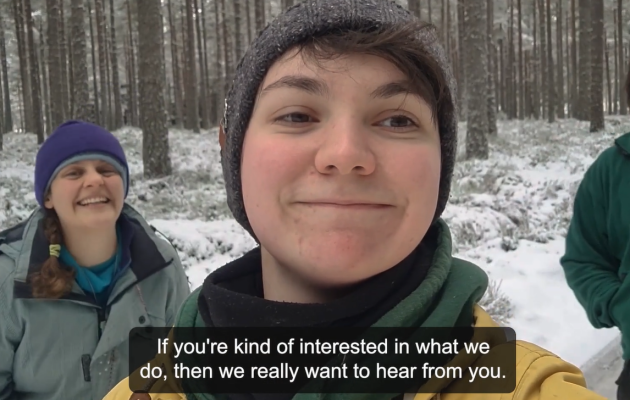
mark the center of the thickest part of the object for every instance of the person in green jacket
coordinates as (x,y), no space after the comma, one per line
(79,273)
(596,261)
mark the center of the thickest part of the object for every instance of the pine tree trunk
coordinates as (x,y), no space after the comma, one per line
(226,49)
(623,101)
(192,105)
(80,83)
(238,24)
(569,66)
(248,21)
(551,88)
(560,62)
(221,74)
(44,81)
(97,109)
(492,112)
(1,107)
(521,97)
(72,107)
(597,62)
(210,92)
(528,84)
(461,37)
(476,80)
(177,87)
(511,65)
(7,114)
(54,64)
(155,144)
(584,60)
(542,25)
(575,70)
(65,84)
(27,105)
(203,96)
(118,117)
(36,97)
(616,91)
(133,89)
(102,61)
(609,104)
(536,91)
(502,78)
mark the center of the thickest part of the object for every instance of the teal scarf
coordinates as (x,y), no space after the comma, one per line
(95,280)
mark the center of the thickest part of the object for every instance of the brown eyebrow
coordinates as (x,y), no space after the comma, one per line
(392,89)
(320,88)
(304,83)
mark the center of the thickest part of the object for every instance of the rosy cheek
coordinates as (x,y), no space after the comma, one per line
(421,165)
(114,183)
(271,160)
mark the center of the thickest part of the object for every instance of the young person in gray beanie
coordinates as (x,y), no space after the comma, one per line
(79,273)
(338,145)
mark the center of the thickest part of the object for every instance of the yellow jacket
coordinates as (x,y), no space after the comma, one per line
(540,375)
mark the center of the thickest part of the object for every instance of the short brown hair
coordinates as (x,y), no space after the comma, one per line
(398,44)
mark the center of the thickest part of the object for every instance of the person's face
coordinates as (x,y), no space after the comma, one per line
(340,168)
(86,195)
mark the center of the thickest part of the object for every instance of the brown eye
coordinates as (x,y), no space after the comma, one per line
(108,172)
(295,118)
(72,173)
(400,121)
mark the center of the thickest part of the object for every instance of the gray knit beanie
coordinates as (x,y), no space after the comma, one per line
(313,18)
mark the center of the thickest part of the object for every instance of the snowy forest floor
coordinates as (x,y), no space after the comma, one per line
(508,214)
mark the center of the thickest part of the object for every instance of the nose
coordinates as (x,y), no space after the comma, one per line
(92,178)
(345,149)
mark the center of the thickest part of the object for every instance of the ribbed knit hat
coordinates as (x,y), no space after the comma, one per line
(313,18)
(74,141)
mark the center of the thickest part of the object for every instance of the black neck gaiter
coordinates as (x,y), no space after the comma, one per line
(232,296)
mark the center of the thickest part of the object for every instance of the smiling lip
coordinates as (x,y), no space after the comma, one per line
(347,205)
(93,201)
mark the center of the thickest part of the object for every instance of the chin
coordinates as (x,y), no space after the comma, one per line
(346,244)
(101,223)
(99,220)
(339,272)
(343,258)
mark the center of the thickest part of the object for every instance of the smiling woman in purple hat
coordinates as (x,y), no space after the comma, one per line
(81,272)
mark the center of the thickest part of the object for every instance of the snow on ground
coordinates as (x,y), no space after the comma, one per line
(508,214)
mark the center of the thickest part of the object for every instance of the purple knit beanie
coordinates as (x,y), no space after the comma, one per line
(75,141)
